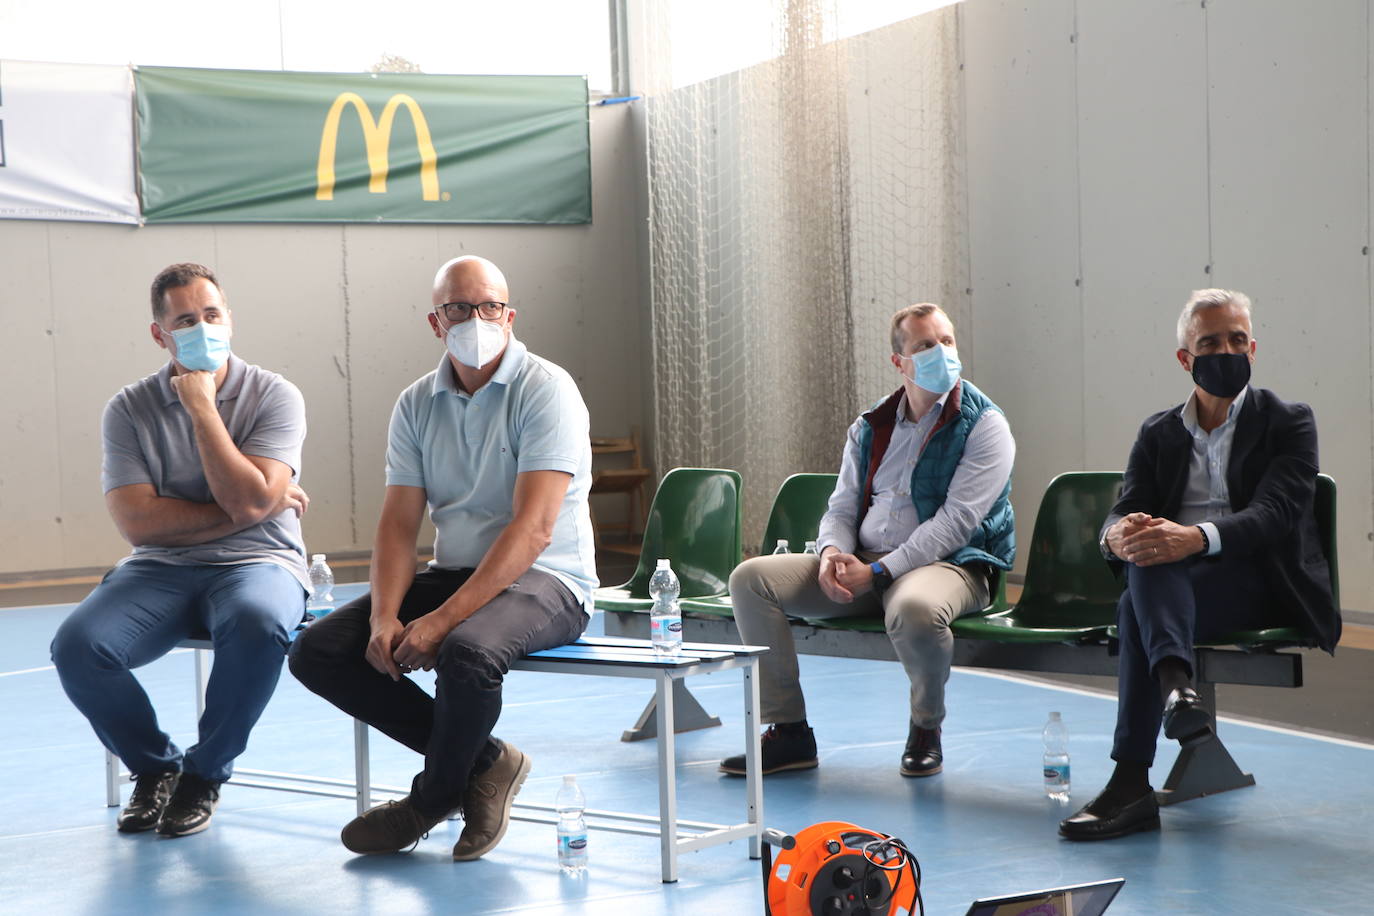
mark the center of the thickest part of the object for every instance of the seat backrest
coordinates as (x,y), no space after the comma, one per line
(694,521)
(1324,508)
(797,509)
(1068,583)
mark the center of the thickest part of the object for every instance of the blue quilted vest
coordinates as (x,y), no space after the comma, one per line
(994,540)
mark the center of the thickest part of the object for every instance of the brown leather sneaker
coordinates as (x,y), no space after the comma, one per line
(391,827)
(486,804)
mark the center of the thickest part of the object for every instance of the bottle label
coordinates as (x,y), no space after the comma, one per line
(1057,774)
(573,844)
(665,629)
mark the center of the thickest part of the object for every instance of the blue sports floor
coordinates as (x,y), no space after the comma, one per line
(1300,842)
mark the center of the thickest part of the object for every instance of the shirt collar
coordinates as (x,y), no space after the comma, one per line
(512,360)
(1189,415)
(233,382)
(935,408)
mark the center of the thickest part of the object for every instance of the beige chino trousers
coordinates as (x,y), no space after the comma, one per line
(916,611)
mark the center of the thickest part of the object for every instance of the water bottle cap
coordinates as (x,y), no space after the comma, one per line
(317,558)
(569,780)
(782,542)
(663,563)
(1054,715)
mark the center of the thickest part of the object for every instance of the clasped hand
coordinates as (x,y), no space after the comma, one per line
(843,576)
(395,648)
(1146,540)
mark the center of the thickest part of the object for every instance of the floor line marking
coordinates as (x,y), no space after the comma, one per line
(54,667)
(1230,720)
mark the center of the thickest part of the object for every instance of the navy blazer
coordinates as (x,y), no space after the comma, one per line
(1271,479)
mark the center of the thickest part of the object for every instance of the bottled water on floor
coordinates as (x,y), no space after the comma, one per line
(665,617)
(570,804)
(321,600)
(1056,735)
(782,547)
(811,548)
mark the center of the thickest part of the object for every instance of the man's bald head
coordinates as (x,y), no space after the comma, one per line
(470,279)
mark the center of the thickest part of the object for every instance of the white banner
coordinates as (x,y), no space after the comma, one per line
(66,142)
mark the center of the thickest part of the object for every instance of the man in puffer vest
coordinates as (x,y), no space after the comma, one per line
(917,532)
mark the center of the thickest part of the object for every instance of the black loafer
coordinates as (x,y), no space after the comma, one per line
(923,755)
(1103,822)
(1186,718)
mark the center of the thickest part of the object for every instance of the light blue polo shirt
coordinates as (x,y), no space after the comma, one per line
(465,450)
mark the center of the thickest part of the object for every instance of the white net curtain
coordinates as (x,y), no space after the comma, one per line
(795,203)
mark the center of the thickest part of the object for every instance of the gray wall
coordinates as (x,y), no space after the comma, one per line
(1123,153)
(339,310)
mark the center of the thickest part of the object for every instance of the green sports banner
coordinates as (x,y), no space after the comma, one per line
(267,146)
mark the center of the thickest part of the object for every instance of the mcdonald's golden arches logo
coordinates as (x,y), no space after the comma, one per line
(377,140)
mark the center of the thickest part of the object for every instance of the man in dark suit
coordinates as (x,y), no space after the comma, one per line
(1215,532)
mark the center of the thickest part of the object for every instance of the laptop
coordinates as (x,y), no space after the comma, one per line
(1077,900)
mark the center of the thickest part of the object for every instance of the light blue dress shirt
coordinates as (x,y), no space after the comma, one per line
(1207,496)
(891,526)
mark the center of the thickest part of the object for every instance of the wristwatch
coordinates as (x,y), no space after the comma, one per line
(1105,547)
(882,579)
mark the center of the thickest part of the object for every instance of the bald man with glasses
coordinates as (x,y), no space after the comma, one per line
(495,443)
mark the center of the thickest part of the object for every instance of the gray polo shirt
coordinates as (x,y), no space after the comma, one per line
(465,450)
(148,438)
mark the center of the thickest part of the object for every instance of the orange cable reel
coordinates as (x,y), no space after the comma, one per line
(840,869)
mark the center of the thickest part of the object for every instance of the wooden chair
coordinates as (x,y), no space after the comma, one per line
(631,482)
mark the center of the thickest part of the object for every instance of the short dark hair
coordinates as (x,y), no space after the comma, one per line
(178,275)
(919,310)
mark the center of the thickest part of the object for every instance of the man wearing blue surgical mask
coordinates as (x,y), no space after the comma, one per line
(1214,532)
(200,467)
(495,444)
(918,530)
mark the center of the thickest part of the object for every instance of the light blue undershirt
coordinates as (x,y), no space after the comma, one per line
(1207,496)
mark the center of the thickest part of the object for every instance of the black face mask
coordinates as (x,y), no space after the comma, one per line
(1222,375)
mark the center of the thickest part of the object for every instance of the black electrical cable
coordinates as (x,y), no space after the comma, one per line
(890,854)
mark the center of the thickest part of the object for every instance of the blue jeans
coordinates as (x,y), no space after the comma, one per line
(139,613)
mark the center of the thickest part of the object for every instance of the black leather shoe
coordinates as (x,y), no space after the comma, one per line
(1103,821)
(1186,718)
(784,747)
(190,808)
(151,792)
(923,756)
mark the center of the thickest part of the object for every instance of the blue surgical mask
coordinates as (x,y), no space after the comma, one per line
(935,369)
(202,346)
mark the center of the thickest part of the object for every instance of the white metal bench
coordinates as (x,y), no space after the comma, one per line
(602,656)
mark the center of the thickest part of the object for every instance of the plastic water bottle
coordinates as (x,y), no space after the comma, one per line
(570,804)
(782,547)
(811,548)
(321,600)
(1056,735)
(665,617)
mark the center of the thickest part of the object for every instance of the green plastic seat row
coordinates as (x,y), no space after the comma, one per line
(795,516)
(695,522)
(1069,595)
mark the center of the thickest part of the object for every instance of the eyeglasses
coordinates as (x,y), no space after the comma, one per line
(458,312)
